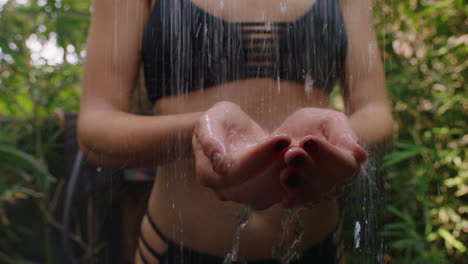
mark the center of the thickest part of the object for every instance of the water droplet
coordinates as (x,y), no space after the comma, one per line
(278,84)
(309,84)
(283,6)
(357,234)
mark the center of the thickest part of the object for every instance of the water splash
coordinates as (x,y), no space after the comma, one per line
(290,223)
(242,221)
(364,201)
(357,234)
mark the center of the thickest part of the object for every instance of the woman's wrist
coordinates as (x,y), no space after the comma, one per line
(372,124)
(144,141)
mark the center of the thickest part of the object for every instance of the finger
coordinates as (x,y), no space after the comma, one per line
(211,134)
(341,134)
(260,192)
(325,186)
(300,187)
(264,152)
(303,121)
(289,180)
(359,153)
(333,161)
(217,132)
(256,159)
(348,142)
(298,159)
(204,172)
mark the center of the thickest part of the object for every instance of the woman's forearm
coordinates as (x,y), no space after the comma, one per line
(372,124)
(112,138)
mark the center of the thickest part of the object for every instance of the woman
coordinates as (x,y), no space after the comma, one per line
(240,90)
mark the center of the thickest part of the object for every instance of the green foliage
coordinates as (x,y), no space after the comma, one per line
(32,86)
(17,183)
(17,161)
(29,80)
(425,45)
(425,48)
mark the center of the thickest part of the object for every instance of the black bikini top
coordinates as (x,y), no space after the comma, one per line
(186,48)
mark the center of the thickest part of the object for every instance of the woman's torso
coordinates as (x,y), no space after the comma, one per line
(189,213)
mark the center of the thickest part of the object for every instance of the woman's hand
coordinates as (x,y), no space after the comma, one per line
(236,158)
(323,157)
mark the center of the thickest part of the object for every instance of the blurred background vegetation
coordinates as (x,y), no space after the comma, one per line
(425,48)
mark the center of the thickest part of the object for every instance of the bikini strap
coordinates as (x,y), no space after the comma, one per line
(153,252)
(143,258)
(155,228)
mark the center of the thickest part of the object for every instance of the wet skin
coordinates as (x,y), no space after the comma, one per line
(192,209)
(183,204)
(180,202)
(187,211)
(314,149)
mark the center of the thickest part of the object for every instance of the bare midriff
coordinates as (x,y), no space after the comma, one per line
(190,214)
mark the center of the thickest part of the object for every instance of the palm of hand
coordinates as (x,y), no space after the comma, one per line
(323,156)
(238,159)
(243,163)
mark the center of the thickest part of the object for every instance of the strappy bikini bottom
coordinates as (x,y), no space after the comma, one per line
(329,251)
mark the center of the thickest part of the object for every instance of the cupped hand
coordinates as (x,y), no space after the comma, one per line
(237,159)
(323,156)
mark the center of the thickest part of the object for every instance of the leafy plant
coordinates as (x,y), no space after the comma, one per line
(425,46)
(32,86)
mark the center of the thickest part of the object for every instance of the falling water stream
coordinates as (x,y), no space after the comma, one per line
(362,210)
(360,205)
(286,251)
(242,221)
(291,224)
